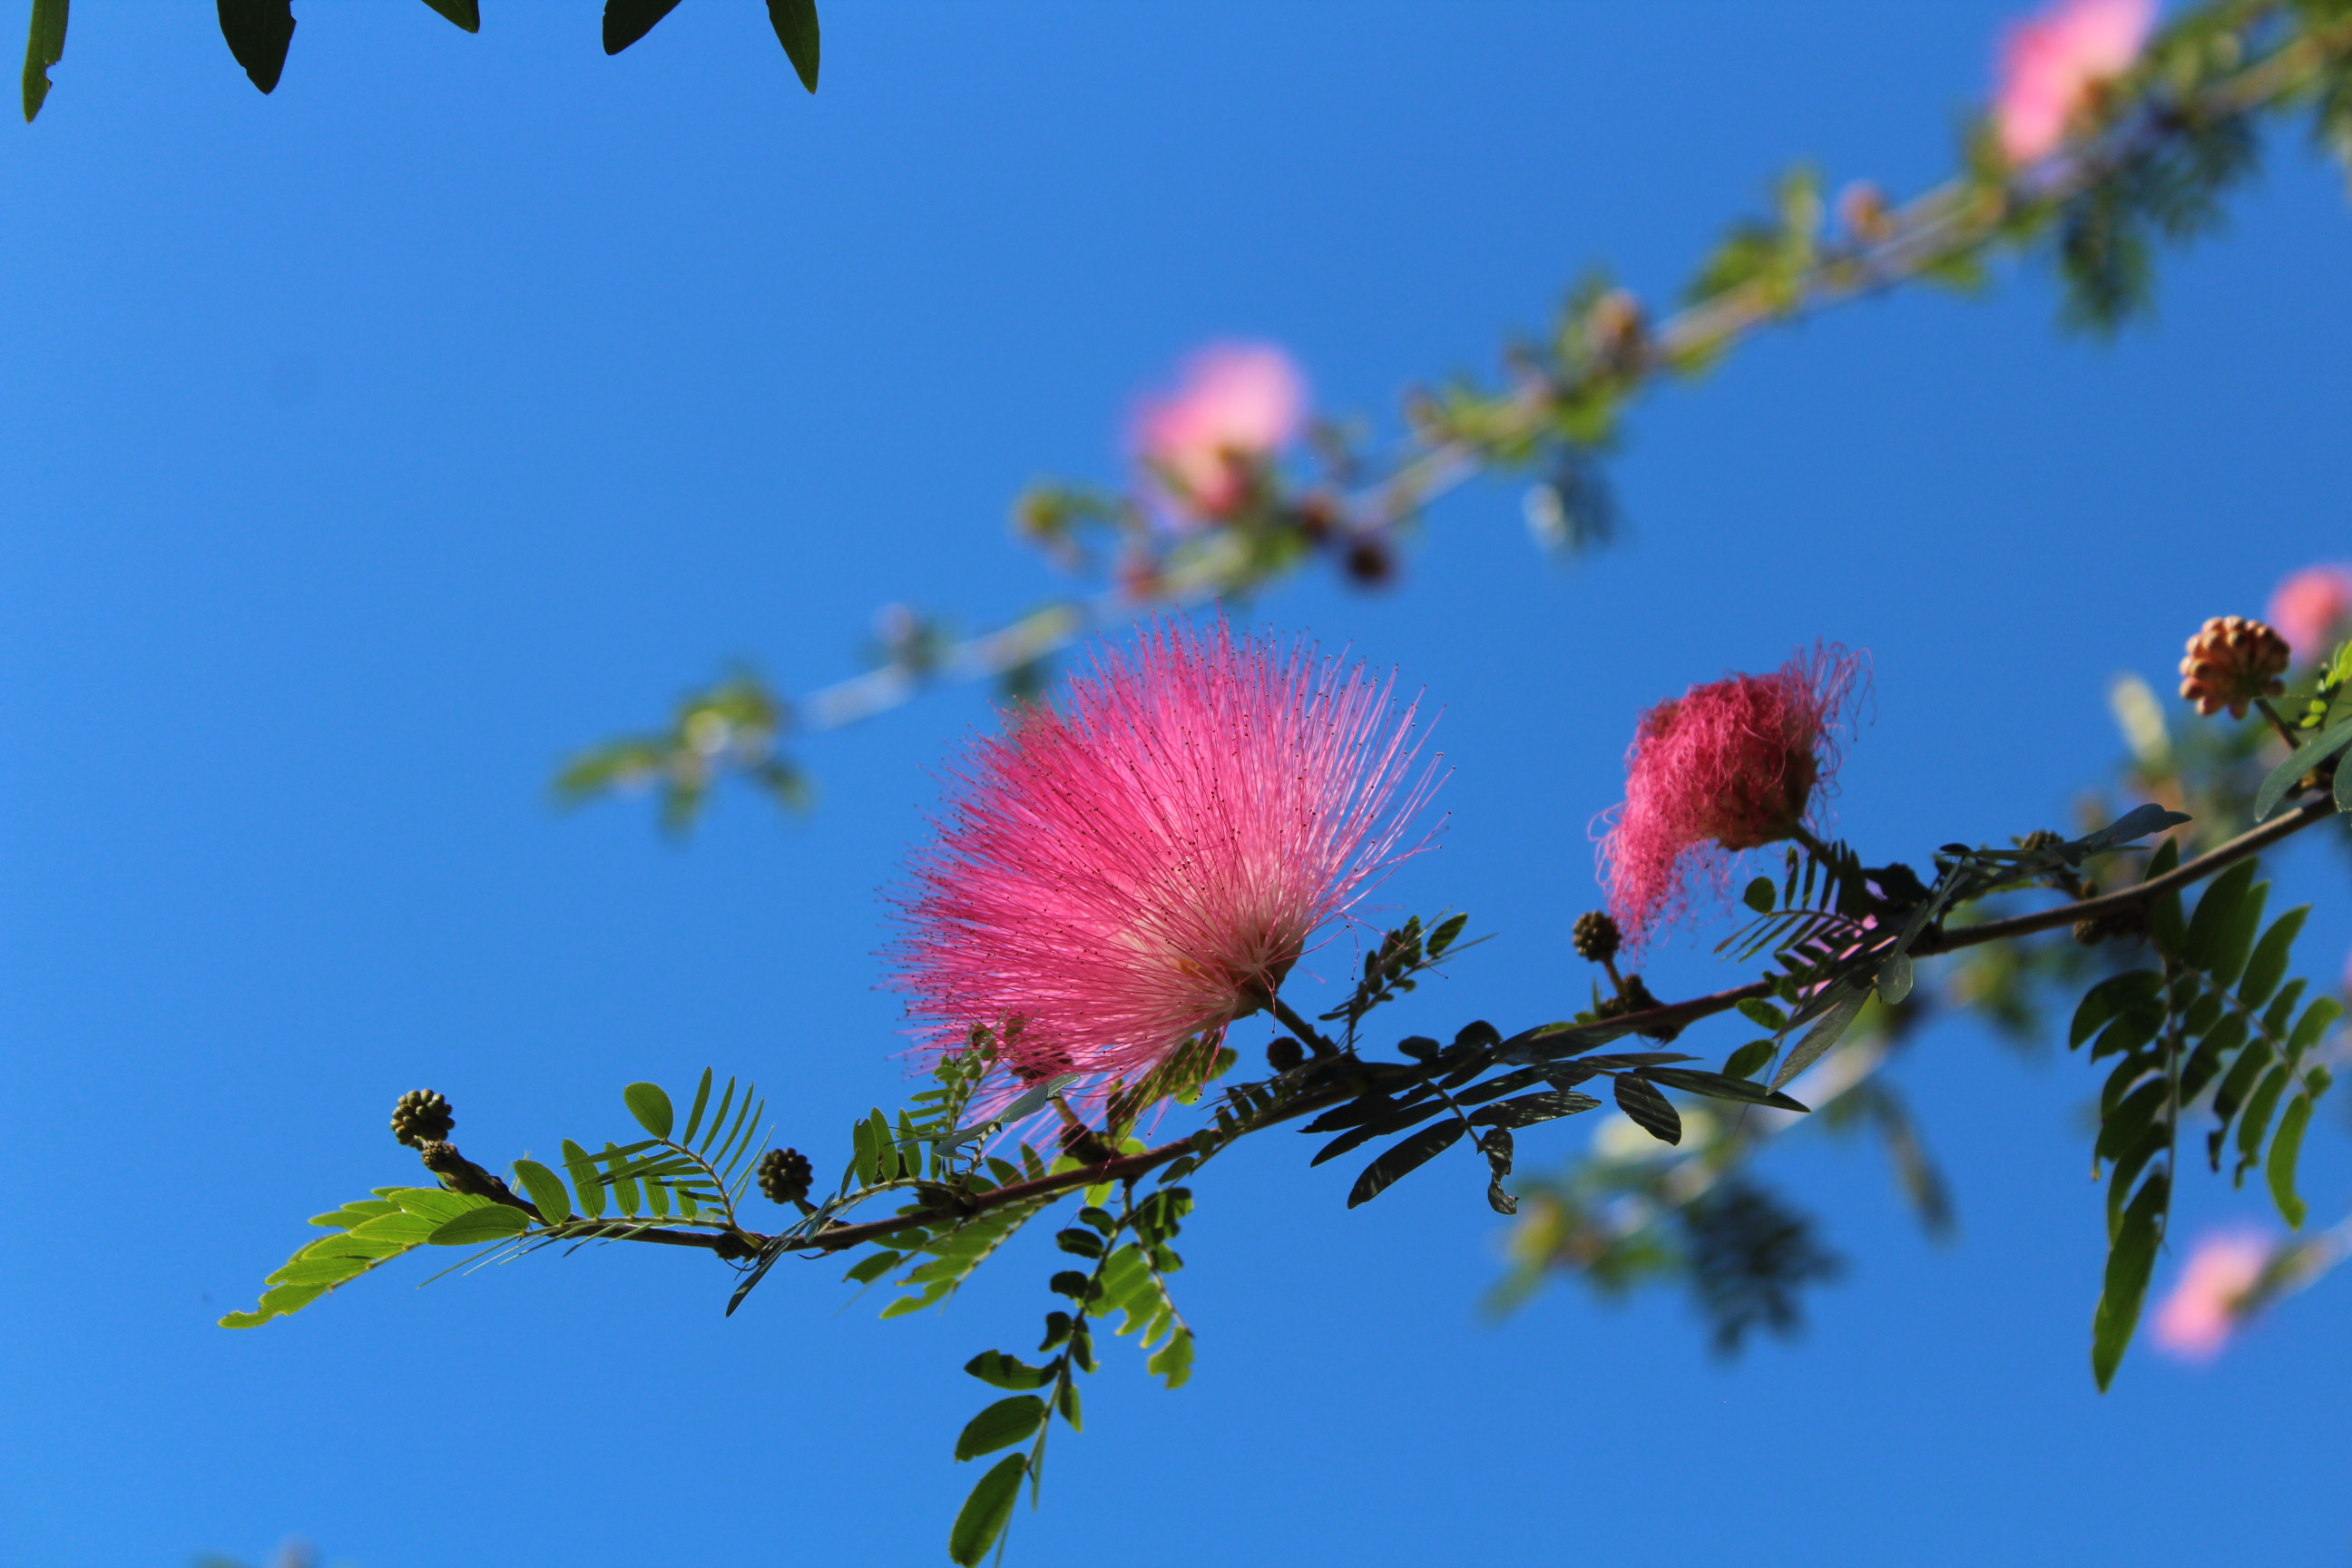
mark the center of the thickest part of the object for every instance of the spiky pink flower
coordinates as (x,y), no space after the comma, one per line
(1237,404)
(2050,63)
(1725,767)
(2209,1302)
(1147,866)
(2311,608)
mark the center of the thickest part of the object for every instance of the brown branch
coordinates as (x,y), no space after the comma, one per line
(1130,1167)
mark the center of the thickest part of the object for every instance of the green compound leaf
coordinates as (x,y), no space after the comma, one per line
(491,1222)
(651,1106)
(986,1511)
(1002,1424)
(369,1232)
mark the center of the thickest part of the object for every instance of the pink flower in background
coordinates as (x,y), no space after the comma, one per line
(1725,767)
(1147,866)
(2206,1307)
(1237,404)
(2310,608)
(2050,63)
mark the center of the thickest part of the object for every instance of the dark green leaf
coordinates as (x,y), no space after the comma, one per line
(2164,926)
(986,1511)
(795,25)
(1530,1109)
(547,1193)
(1447,930)
(1495,1144)
(1758,896)
(701,1102)
(1763,1015)
(491,1222)
(44,46)
(2217,912)
(867,1270)
(258,33)
(2111,996)
(1396,1120)
(1083,1243)
(2267,967)
(1066,1402)
(1402,1158)
(651,1106)
(2255,1123)
(1893,978)
(2298,762)
(2322,1011)
(2284,1147)
(1003,1424)
(626,21)
(998,1370)
(1722,1086)
(467,13)
(1825,1033)
(2129,1262)
(1650,1111)
(1748,1059)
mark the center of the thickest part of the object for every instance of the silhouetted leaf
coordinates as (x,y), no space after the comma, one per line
(795,25)
(1413,1153)
(467,13)
(1000,1370)
(1652,1112)
(258,33)
(626,21)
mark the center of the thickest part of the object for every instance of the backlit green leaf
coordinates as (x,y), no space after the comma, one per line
(1003,1424)
(986,1511)
(651,1106)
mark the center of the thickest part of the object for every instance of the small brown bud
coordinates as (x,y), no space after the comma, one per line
(784,1176)
(1283,1054)
(422,1117)
(1371,562)
(2231,661)
(1862,208)
(1596,937)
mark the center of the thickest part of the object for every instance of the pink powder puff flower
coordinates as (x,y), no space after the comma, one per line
(2310,609)
(1237,404)
(2209,1303)
(2050,63)
(1726,767)
(1146,867)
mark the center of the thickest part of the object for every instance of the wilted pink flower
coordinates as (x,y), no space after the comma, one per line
(2050,63)
(2310,609)
(2196,1320)
(1725,767)
(1147,867)
(1238,405)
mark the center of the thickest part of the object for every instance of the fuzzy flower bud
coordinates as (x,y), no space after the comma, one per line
(1596,937)
(1726,767)
(785,1175)
(1284,1053)
(422,1117)
(2230,661)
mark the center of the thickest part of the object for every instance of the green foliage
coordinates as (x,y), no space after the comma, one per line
(367,1233)
(2213,1017)
(44,46)
(734,726)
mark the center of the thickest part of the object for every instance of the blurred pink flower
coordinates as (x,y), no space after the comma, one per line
(1237,404)
(2051,62)
(1147,867)
(2206,1307)
(2310,608)
(1725,767)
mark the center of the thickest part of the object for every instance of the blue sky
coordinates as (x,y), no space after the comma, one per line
(369,445)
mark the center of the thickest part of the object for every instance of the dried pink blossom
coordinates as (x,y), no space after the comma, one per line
(1110,881)
(2208,1304)
(1237,404)
(2310,610)
(2051,64)
(1725,767)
